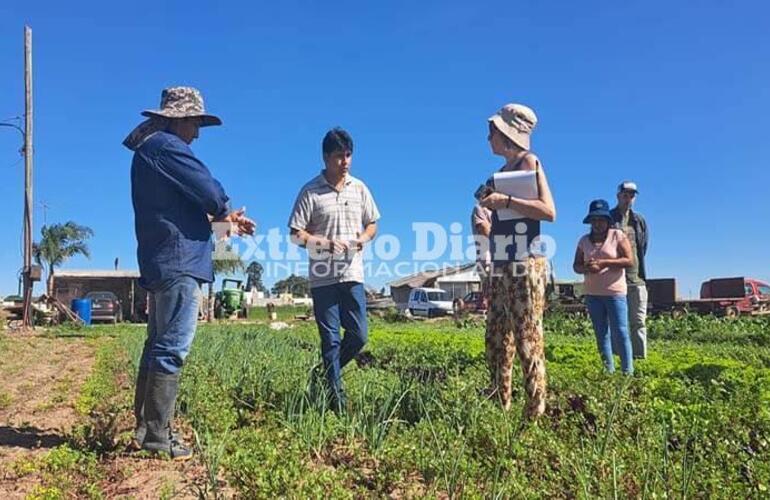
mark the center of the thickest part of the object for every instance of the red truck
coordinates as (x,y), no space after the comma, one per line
(728,297)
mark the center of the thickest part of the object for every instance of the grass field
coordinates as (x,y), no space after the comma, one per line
(283,313)
(694,421)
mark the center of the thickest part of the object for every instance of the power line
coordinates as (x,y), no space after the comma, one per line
(6,123)
(45,206)
(15,163)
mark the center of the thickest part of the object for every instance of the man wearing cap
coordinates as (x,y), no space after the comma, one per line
(334,216)
(175,200)
(635,227)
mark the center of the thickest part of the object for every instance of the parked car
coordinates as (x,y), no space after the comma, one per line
(429,302)
(474,302)
(105,306)
(12,308)
(12,300)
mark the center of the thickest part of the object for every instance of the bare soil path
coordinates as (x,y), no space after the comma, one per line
(40,381)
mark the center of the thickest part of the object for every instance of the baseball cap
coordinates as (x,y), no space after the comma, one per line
(627,186)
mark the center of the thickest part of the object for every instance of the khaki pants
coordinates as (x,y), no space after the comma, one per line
(637,315)
(515,325)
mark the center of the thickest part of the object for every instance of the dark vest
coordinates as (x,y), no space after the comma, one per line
(515,236)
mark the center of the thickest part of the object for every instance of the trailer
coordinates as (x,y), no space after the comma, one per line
(727,297)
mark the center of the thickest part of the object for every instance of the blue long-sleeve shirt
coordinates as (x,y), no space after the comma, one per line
(173,193)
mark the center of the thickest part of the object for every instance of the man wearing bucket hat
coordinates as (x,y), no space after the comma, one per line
(519,274)
(635,227)
(175,201)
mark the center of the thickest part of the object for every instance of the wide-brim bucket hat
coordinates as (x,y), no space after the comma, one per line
(598,208)
(183,102)
(516,122)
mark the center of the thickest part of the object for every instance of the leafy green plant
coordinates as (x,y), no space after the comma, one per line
(65,472)
(694,420)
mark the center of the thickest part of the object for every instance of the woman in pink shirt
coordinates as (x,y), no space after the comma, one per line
(602,256)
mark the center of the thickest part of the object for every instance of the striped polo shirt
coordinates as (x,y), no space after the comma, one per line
(342,215)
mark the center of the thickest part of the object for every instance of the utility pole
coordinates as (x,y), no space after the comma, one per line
(27,271)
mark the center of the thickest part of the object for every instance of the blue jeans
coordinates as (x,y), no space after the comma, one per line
(171,323)
(334,305)
(610,314)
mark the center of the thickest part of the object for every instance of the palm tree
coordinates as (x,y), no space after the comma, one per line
(59,242)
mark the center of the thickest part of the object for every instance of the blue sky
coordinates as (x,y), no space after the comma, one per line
(673,95)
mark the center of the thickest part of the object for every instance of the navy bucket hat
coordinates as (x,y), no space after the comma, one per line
(598,208)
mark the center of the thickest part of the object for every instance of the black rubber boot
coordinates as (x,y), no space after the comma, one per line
(316,383)
(338,401)
(141,390)
(158,411)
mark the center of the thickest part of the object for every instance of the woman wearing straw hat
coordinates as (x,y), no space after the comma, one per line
(602,256)
(518,280)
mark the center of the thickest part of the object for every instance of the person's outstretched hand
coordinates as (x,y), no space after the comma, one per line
(244,225)
(241,225)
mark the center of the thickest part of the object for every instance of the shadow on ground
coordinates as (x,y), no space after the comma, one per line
(29,438)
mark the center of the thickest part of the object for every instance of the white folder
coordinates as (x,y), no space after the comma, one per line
(519,184)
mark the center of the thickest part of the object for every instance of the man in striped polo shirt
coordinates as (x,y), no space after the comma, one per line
(334,216)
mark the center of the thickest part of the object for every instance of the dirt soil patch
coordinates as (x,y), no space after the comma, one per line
(41,381)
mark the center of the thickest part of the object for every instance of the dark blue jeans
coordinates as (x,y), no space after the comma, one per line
(334,305)
(609,315)
(171,323)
